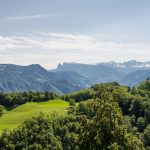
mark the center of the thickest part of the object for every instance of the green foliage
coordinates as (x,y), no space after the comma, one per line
(98,126)
(134,102)
(43,133)
(140,124)
(147,136)
(72,102)
(34,134)
(2,109)
(79,96)
(102,127)
(11,100)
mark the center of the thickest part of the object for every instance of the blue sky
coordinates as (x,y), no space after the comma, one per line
(88,31)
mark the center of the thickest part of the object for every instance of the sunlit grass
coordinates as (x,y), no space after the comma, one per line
(12,119)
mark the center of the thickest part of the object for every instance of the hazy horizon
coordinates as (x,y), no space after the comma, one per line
(73,63)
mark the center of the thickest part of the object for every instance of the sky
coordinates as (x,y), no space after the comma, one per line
(49,32)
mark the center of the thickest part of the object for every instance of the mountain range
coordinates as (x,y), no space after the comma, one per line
(14,78)
(128,73)
(70,77)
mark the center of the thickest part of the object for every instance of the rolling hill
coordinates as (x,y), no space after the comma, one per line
(12,119)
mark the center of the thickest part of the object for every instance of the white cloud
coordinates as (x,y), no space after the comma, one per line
(49,49)
(31,17)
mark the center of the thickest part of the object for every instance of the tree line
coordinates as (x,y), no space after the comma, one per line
(10,100)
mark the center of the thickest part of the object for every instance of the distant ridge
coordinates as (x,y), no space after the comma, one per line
(130,63)
(70,77)
(108,71)
(15,78)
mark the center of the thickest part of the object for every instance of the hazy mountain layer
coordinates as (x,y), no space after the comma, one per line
(109,71)
(70,77)
(36,78)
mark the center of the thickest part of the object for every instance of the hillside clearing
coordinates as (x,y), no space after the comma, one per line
(12,119)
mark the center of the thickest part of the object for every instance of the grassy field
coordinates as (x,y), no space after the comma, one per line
(12,119)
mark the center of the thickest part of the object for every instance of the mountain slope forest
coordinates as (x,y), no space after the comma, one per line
(108,116)
(70,77)
(14,78)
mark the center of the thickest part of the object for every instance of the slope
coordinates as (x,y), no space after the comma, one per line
(12,119)
(14,78)
(134,78)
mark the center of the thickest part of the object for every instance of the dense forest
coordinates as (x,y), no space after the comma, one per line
(11,100)
(106,116)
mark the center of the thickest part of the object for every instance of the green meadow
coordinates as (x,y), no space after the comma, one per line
(15,117)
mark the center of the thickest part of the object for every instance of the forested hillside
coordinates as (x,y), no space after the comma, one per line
(14,78)
(108,116)
(70,77)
